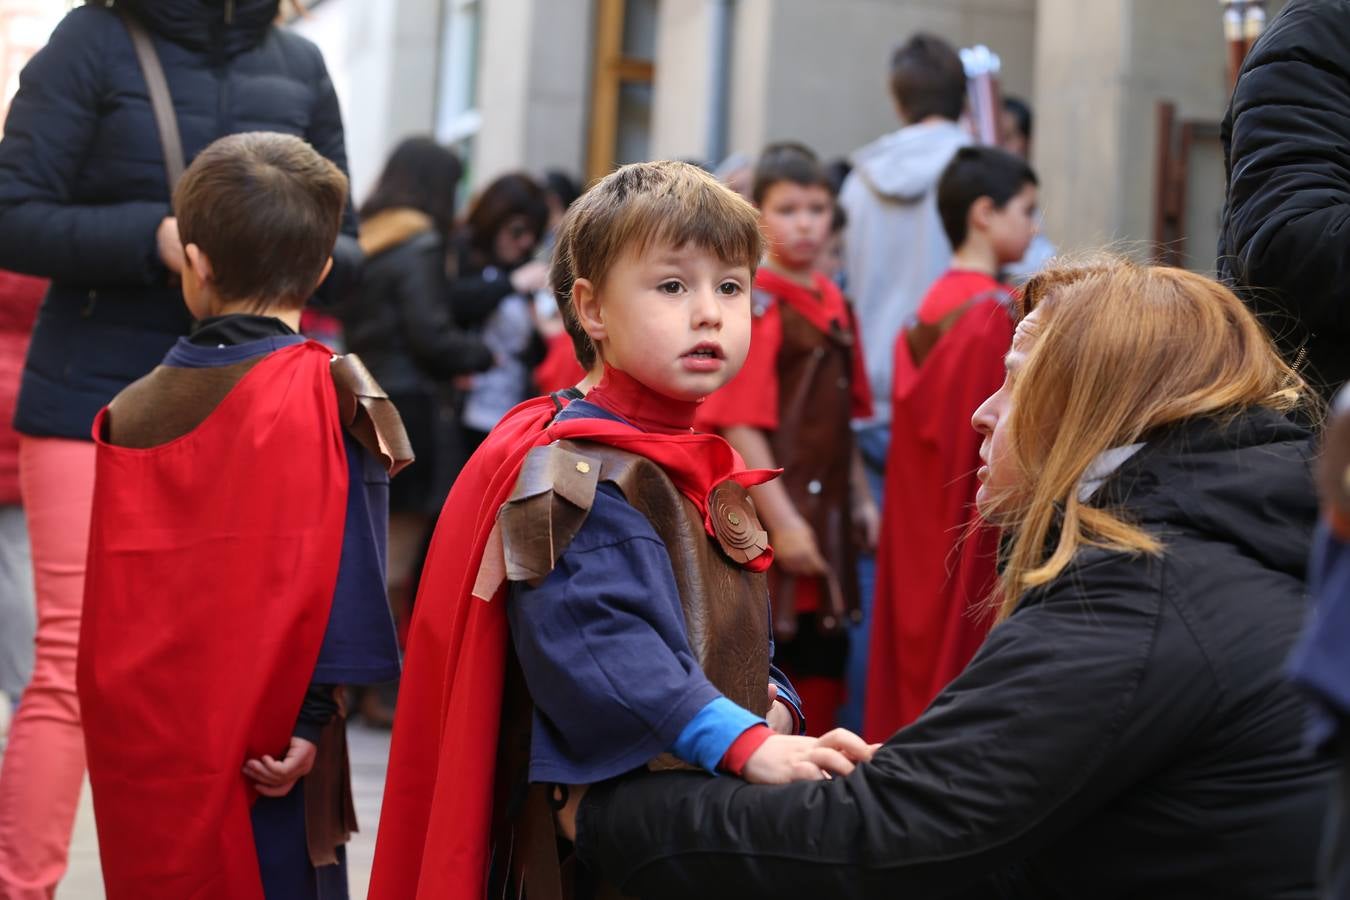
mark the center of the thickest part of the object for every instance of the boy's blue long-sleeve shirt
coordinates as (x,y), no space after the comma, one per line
(602,644)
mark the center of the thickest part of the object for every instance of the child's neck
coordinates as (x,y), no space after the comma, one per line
(639,405)
(287,314)
(803,275)
(976,256)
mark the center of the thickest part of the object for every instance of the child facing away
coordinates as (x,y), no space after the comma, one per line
(792,406)
(237,556)
(609,610)
(937,563)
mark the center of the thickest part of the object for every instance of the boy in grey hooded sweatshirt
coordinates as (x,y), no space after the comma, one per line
(896,247)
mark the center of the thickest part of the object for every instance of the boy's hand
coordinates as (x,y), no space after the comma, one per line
(275,778)
(779,717)
(794,548)
(866,523)
(786,758)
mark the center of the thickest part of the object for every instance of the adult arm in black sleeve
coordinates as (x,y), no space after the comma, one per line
(48,137)
(474,297)
(1059,710)
(1287,222)
(435,340)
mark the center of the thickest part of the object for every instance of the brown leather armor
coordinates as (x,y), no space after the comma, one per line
(725,605)
(814,446)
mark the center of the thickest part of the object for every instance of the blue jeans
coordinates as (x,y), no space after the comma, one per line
(873,442)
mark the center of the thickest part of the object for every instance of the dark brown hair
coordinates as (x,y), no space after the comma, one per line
(422,175)
(928,79)
(976,172)
(636,207)
(507,196)
(265,209)
(788,161)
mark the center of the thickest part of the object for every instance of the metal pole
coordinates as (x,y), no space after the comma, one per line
(719,79)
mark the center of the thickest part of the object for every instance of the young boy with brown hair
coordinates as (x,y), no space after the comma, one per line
(792,406)
(611,614)
(937,563)
(236,557)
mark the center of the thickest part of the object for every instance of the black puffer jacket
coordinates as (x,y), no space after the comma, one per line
(1285,238)
(399,322)
(82,186)
(1127,732)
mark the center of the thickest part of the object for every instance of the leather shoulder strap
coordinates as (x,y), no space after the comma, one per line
(161,101)
(547,507)
(923,337)
(369,415)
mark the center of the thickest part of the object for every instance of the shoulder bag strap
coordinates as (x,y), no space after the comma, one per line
(161,101)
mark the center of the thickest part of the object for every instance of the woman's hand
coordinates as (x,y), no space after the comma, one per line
(786,758)
(275,778)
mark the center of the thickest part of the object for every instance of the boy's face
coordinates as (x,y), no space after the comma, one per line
(796,220)
(1012,227)
(676,319)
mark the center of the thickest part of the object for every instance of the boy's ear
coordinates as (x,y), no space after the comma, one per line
(586,305)
(981,212)
(198,262)
(327,267)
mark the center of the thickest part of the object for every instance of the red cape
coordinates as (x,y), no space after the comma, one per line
(212,564)
(437,812)
(931,574)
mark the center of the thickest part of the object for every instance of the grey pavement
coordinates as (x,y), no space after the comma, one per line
(369,750)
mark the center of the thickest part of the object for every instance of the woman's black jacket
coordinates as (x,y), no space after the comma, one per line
(82,183)
(1126,732)
(399,321)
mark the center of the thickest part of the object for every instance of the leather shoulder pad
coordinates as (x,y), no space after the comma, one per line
(550,502)
(368,414)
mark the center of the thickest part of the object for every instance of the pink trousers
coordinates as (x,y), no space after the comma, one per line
(44,763)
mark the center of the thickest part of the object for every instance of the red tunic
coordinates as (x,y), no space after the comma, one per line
(933,572)
(205,604)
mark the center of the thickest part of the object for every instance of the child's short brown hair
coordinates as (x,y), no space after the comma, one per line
(788,161)
(928,79)
(265,209)
(640,205)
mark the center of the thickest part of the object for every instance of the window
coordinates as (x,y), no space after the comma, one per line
(621,92)
(457,115)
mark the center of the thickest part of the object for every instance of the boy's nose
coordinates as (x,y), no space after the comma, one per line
(706,308)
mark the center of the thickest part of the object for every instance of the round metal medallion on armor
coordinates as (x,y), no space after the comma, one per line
(735,524)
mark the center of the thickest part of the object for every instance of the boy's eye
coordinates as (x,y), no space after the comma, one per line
(670,287)
(730,288)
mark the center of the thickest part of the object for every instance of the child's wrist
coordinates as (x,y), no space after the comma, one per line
(738,754)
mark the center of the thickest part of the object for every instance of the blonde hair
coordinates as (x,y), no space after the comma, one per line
(1120,350)
(636,207)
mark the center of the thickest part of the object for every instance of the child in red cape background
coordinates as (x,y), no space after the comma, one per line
(936,565)
(792,406)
